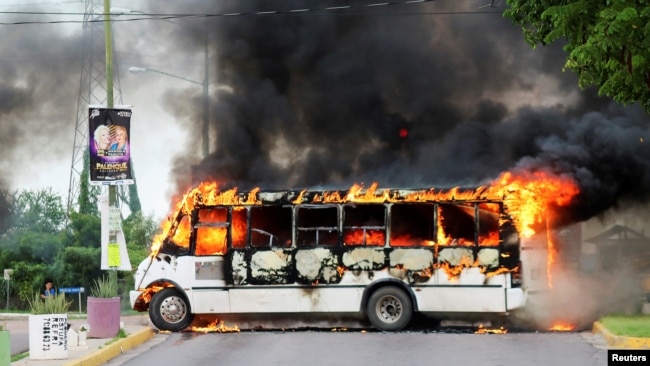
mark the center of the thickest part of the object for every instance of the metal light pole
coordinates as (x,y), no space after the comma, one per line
(108,40)
(205,130)
(206,97)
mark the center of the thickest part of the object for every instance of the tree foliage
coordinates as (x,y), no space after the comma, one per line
(87,194)
(5,209)
(607,42)
(36,243)
(39,211)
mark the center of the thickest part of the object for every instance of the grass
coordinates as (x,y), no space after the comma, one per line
(120,334)
(19,356)
(628,325)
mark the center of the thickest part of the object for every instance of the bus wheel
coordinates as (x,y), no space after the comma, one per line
(170,311)
(389,309)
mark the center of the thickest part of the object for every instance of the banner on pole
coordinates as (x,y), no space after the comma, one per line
(109,145)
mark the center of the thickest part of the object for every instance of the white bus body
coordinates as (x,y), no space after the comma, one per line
(294,252)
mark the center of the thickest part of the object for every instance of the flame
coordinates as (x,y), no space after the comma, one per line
(216,326)
(206,193)
(482,330)
(527,196)
(498,271)
(550,257)
(562,327)
(364,237)
(453,271)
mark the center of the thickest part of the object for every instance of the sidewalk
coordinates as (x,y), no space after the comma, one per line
(96,352)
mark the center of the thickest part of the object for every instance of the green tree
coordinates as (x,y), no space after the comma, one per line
(80,260)
(87,194)
(85,230)
(138,231)
(80,266)
(5,209)
(134,199)
(27,280)
(37,218)
(34,240)
(607,42)
(39,211)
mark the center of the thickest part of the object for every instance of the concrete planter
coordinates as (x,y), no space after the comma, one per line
(5,348)
(48,336)
(103,317)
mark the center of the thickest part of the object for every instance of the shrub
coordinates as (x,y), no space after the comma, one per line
(56,304)
(104,287)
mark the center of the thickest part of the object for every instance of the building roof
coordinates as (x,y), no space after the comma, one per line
(619,235)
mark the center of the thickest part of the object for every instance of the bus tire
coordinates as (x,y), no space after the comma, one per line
(389,309)
(169,310)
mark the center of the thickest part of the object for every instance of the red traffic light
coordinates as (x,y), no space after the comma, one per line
(403,133)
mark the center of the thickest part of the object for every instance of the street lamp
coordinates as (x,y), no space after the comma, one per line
(204,84)
(206,96)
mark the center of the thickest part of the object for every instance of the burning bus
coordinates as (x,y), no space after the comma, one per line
(385,254)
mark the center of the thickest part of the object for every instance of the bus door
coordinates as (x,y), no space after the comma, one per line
(261,269)
(210,245)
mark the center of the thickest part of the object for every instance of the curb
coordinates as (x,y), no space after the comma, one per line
(108,352)
(620,342)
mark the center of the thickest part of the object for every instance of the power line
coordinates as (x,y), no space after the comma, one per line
(333,10)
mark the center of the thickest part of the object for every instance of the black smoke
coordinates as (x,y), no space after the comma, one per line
(318,100)
(40,66)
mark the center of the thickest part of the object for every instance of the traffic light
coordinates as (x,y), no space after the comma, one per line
(403,132)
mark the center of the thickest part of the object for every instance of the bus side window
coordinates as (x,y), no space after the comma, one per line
(412,224)
(270,226)
(179,243)
(488,224)
(364,225)
(317,225)
(456,224)
(239,227)
(212,231)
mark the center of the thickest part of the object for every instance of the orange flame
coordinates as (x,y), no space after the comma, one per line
(482,330)
(562,327)
(527,197)
(207,193)
(216,326)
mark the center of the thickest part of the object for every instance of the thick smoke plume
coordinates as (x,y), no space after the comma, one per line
(319,100)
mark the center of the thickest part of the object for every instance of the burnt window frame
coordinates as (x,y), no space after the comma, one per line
(169,246)
(476,220)
(274,240)
(385,227)
(297,228)
(433,206)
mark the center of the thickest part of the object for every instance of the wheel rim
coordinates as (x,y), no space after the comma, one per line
(173,309)
(389,309)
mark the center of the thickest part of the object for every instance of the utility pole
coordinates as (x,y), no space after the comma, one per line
(93,90)
(112,193)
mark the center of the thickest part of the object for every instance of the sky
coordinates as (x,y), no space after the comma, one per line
(317,99)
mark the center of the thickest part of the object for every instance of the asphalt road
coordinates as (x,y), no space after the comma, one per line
(326,347)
